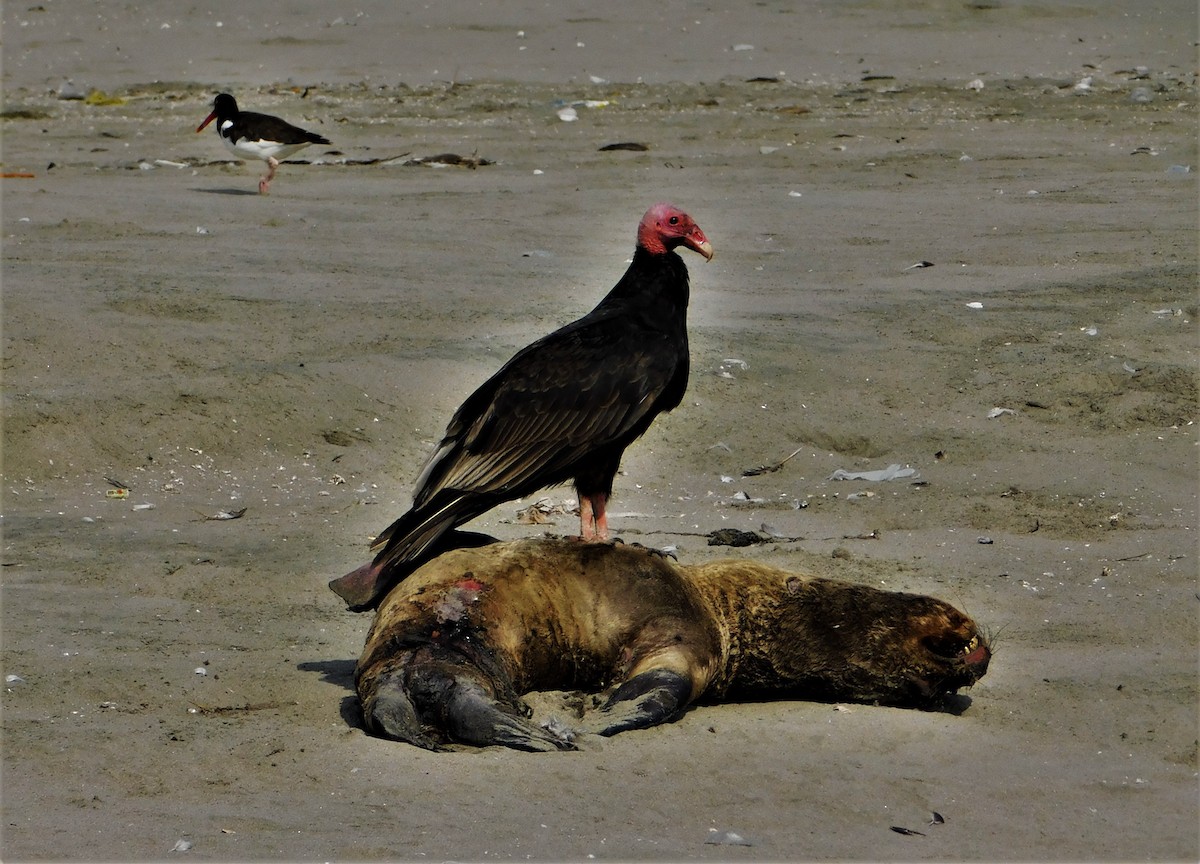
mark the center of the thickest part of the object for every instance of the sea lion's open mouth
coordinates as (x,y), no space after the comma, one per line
(976,654)
(956,650)
(960,660)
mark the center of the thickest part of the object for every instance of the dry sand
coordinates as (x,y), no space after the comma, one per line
(296,355)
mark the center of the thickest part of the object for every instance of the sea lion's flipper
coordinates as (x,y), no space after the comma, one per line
(474,717)
(647,699)
(434,690)
(391,713)
(364,587)
(361,588)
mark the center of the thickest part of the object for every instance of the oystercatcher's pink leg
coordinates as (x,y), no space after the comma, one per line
(264,183)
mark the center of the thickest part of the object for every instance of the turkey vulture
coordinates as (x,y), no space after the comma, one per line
(563,408)
(248,135)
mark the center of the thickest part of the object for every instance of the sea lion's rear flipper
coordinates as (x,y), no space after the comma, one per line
(474,717)
(647,699)
(390,713)
(435,692)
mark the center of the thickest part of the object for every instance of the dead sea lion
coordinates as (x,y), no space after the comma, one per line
(455,645)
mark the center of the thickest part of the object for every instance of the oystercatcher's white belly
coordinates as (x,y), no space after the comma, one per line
(248,148)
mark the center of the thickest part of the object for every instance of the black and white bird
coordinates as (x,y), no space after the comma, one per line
(249,135)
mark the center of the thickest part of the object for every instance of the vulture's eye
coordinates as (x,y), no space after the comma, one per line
(674,220)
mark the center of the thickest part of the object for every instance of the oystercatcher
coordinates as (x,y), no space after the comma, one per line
(249,135)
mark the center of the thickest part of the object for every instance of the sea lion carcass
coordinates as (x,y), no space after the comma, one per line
(455,645)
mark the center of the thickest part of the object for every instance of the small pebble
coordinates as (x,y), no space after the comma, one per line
(726,838)
(70,90)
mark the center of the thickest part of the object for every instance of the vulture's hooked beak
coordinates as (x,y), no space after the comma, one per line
(698,242)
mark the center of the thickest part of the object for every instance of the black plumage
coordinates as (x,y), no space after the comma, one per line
(250,135)
(563,408)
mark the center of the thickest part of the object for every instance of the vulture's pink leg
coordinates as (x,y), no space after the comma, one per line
(593,517)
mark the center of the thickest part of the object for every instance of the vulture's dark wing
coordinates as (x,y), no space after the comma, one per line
(593,384)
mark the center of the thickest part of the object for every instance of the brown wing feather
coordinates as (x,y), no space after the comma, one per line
(546,410)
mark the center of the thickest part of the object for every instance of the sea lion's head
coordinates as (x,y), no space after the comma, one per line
(937,650)
(841,641)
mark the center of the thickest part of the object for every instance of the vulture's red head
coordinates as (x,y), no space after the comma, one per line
(665,226)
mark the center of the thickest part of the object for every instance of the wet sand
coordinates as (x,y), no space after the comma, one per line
(297,355)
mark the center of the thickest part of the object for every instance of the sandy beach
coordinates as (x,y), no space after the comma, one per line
(959,237)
